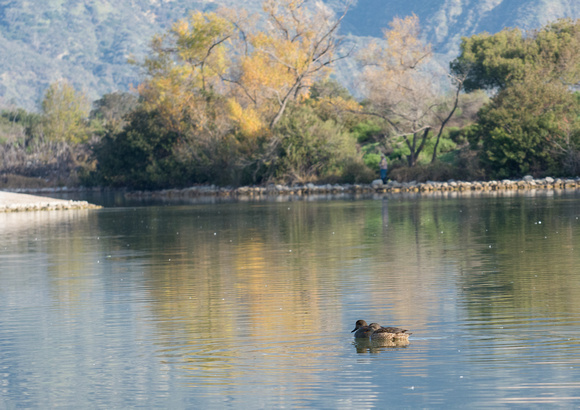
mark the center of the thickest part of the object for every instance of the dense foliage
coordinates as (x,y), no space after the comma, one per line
(531,128)
(231,98)
(231,102)
(532,124)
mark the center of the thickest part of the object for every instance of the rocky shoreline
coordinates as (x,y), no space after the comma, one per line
(376,187)
(17,202)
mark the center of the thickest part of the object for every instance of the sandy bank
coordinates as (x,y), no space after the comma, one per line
(12,202)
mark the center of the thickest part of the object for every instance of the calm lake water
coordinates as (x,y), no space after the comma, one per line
(251,304)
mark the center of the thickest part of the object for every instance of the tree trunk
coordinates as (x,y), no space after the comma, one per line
(414,155)
(423,140)
(284,104)
(443,124)
(446,120)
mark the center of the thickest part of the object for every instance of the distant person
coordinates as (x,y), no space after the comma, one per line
(384,166)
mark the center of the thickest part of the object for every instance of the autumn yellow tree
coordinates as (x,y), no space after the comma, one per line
(298,47)
(64,113)
(260,71)
(184,70)
(222,81)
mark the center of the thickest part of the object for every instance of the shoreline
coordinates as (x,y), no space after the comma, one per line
(19,202)
(376,187)
(27,199)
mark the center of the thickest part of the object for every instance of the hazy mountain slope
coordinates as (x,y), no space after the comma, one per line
(88,42)
(446,21)
(85,42)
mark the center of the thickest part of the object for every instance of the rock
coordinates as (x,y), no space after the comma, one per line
(377,183)
(528,178)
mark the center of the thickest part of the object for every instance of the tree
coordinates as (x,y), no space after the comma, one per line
(297,48)
(530,127)
(64,113)
(493,62)
(29,125)
(185,89)
(532,122)
(140,156)
(454,102)
(111,109)
(184,69)
(400,90)
(221,79)
(311,148)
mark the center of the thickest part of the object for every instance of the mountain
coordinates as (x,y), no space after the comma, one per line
(446,21)
(87,42)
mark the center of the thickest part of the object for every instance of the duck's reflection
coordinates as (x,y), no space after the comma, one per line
(376,346)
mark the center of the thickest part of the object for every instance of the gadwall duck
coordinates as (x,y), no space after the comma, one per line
(362,330)
(376,331)
(379,332)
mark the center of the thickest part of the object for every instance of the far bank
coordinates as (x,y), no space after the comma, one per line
(304,190)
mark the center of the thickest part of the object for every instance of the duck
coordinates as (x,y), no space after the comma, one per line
(376,331)
(382,333)
(362,330)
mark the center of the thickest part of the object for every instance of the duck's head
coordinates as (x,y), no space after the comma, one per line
(359,324)
(374,327)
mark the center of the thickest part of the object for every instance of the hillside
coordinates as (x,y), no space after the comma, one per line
(445,22)
(88,42)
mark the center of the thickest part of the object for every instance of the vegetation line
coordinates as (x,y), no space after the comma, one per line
(233,99)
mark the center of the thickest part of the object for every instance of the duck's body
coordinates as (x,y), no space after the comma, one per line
(377,332)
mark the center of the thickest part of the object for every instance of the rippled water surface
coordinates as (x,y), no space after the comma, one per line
(250,305)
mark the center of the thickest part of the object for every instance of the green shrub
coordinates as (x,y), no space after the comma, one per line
(372,161)
(438,171)
(461,165)
(355,171)
(140,156)
(366,131)
(310,149)
(372,155)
